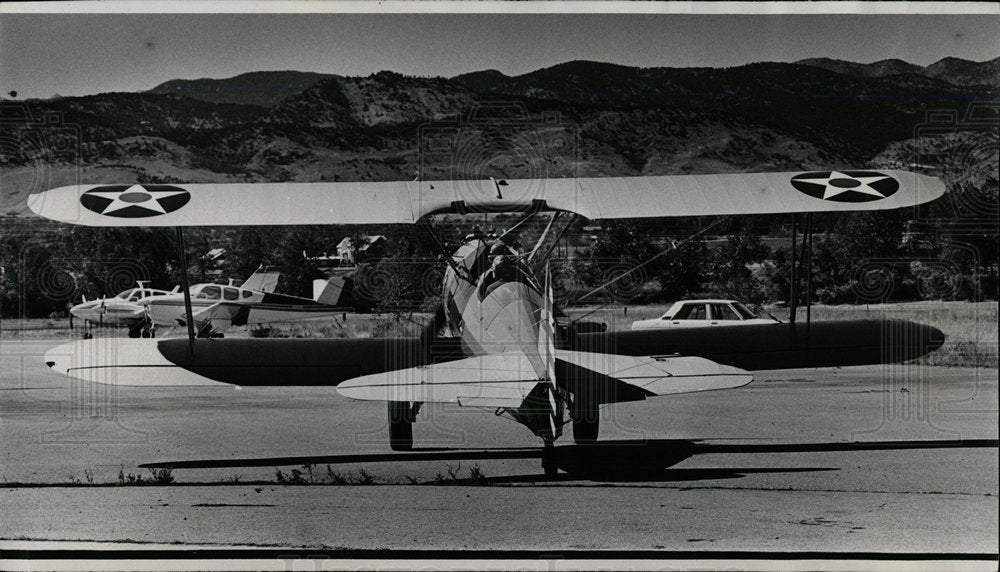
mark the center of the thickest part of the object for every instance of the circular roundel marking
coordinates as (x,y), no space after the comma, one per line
(134,201)
(846,186)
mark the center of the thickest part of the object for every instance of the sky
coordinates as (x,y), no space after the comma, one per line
(46,54)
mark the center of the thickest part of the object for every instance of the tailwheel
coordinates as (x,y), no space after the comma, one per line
(401,417)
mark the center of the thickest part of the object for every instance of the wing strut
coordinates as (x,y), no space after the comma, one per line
(807,245)
(804,257)
(187,290)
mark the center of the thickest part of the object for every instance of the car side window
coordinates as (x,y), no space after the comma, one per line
(231,294)
(723,312)
(691,312)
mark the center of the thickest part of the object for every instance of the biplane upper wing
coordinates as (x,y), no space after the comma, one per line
(506,379)
(409,201)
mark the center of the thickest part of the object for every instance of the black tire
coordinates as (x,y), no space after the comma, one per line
(586,420)
(400,426)
(586,429)
(549,464)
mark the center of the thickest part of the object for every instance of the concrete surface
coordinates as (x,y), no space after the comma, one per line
(54,431)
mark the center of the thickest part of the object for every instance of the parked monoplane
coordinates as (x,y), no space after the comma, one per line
(216,307)
(127,308)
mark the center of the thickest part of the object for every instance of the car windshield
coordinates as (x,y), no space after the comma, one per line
(746,313)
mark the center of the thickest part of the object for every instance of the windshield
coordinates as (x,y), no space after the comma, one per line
(746,313)
(208,292)
(124,295)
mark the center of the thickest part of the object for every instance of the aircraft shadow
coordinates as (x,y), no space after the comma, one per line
(612,461)
(650,475)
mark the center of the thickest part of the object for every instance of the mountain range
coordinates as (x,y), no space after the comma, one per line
(579,117)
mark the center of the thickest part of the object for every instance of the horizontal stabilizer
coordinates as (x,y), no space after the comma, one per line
(504,380)
(496,380)
(659,375)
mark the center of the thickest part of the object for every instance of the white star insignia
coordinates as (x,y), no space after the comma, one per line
(149,203)
(863,186)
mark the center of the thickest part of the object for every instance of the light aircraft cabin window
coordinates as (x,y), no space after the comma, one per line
(210,293)
(246,293)
(124,295)
(692,312)
(231,294)
(723,312)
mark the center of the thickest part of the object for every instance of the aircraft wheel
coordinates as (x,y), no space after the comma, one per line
(585,430)
(135,332)
(400,426)
(549,464)
(586,421)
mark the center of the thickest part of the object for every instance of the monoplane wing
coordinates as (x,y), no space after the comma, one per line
(506,379)
(409,201)
(222,315)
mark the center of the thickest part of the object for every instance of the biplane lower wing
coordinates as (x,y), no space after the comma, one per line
(253,361)
(236,361)
(409,201)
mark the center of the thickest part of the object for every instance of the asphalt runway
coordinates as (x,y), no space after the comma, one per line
(749,488)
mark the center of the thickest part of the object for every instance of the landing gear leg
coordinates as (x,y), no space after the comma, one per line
(549,459)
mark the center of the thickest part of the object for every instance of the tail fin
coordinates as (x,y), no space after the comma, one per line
(332,291)
(262,280)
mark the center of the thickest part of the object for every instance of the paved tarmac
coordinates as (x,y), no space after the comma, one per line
(752,492)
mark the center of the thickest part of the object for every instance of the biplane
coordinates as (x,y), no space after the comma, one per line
(495,341)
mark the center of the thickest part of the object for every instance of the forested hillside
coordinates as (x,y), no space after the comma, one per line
(577,118)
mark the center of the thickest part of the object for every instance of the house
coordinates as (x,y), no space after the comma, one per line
(371,246)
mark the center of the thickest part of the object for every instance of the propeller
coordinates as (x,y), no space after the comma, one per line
(547,351)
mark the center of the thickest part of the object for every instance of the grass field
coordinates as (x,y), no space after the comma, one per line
(971,328)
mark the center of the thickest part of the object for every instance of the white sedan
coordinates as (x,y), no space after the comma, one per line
(703,313)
